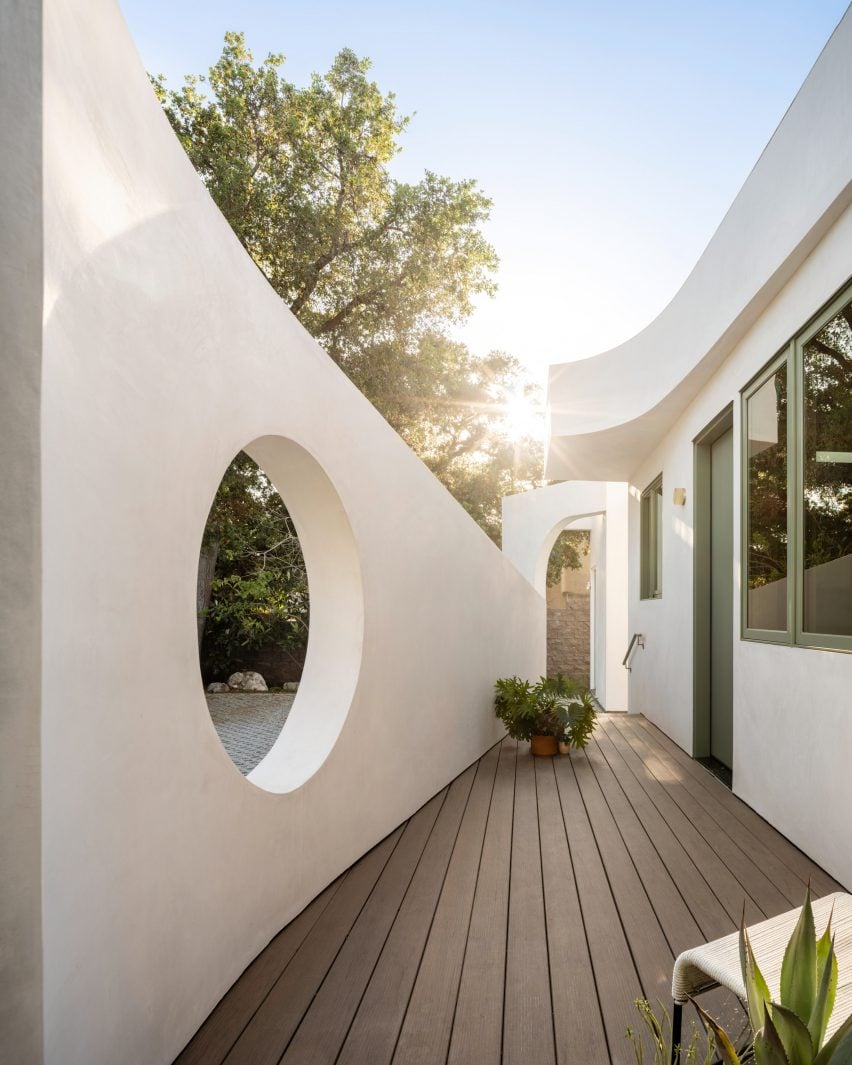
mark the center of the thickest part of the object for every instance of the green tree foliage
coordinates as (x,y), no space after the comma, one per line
(376,269)
(571,545)
(259,594)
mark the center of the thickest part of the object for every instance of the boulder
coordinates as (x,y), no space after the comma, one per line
(247,682)
(218,687)
(290,686)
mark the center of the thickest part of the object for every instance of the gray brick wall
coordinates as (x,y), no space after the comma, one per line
(568,638)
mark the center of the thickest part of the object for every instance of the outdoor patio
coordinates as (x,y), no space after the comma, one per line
(516,917)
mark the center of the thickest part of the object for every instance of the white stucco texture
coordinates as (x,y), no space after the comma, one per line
(609,411)
(165,353)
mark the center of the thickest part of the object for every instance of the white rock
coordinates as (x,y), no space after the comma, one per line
(218,687)
(247,682)
(290,686)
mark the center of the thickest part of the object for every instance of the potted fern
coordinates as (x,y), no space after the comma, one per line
(554,711)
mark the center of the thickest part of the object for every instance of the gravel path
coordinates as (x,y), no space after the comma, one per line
(249,723)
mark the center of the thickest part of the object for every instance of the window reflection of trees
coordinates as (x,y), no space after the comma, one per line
(827,476)
(767,499)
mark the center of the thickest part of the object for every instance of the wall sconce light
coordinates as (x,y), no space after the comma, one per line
(679,497)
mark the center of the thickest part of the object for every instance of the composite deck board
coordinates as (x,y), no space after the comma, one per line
(477,1037)
(707,911)
(228,1020)
(578,1024)
(726,887)
(272,1026)
(760,887)
(322,1030)
(528,1010)
(612,959)
(779,846)
(515,917)
(374,1032)
(426,1031)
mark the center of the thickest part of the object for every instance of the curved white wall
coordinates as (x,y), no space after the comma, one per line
(165,352)
(607,412)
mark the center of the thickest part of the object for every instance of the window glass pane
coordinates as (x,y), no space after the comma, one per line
(766,418)
(827,479)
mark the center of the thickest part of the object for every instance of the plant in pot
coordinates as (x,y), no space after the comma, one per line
(575,710)
(529,713)
(577,714)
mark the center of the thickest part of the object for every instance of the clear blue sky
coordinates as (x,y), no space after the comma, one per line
(612,136)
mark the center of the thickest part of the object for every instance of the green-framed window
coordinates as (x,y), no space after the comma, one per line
(797,488)
(651,541)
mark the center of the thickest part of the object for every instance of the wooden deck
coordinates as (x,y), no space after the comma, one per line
(515,917)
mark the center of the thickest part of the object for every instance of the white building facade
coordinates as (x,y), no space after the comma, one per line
(730,419)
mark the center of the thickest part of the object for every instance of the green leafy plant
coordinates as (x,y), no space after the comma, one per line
(792,1031)
(554,706)
(577,715)
(659,1034)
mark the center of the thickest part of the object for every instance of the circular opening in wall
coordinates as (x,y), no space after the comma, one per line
(279,613)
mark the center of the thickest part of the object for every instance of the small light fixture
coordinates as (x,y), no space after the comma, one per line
(679,497)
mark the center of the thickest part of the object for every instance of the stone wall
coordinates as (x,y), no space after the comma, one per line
(568,638)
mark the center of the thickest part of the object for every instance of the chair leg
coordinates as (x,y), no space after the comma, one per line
(677,1019)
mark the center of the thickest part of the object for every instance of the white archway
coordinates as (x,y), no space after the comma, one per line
(532,521)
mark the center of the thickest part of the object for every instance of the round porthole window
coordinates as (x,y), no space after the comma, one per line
(279,613)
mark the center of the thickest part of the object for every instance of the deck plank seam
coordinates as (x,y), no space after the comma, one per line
(470,914)
(544,910)
(709,784)
(667,818)
(675,838)
(384,941)
(509,904)
(738,874)
(595,980)
(434,912)
(629,853)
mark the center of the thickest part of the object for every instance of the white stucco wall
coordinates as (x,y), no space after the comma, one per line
(792,706)
(165,352)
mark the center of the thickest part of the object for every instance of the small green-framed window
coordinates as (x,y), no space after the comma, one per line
(651,540)
(797,488)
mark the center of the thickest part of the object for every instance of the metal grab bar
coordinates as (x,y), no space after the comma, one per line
(636,638)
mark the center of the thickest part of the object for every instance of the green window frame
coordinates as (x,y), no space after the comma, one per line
(790,361)
(651,541)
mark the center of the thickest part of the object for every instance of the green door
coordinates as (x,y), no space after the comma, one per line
(722,598)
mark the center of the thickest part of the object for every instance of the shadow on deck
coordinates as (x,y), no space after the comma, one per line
(515,917)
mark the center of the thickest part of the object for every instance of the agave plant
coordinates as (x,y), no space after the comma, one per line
(792,1031)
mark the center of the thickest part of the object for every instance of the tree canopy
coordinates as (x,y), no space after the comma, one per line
(378,270)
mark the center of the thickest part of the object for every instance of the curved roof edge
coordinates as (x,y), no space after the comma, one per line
(607,411)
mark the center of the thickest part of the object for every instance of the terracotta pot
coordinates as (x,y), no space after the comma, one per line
(564,748)
(543,746)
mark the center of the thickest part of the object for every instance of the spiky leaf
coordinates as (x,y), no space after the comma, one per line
(793,1034)
(757,991)
(840,1044)
(798,971)
(826,961)
(768,1048)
